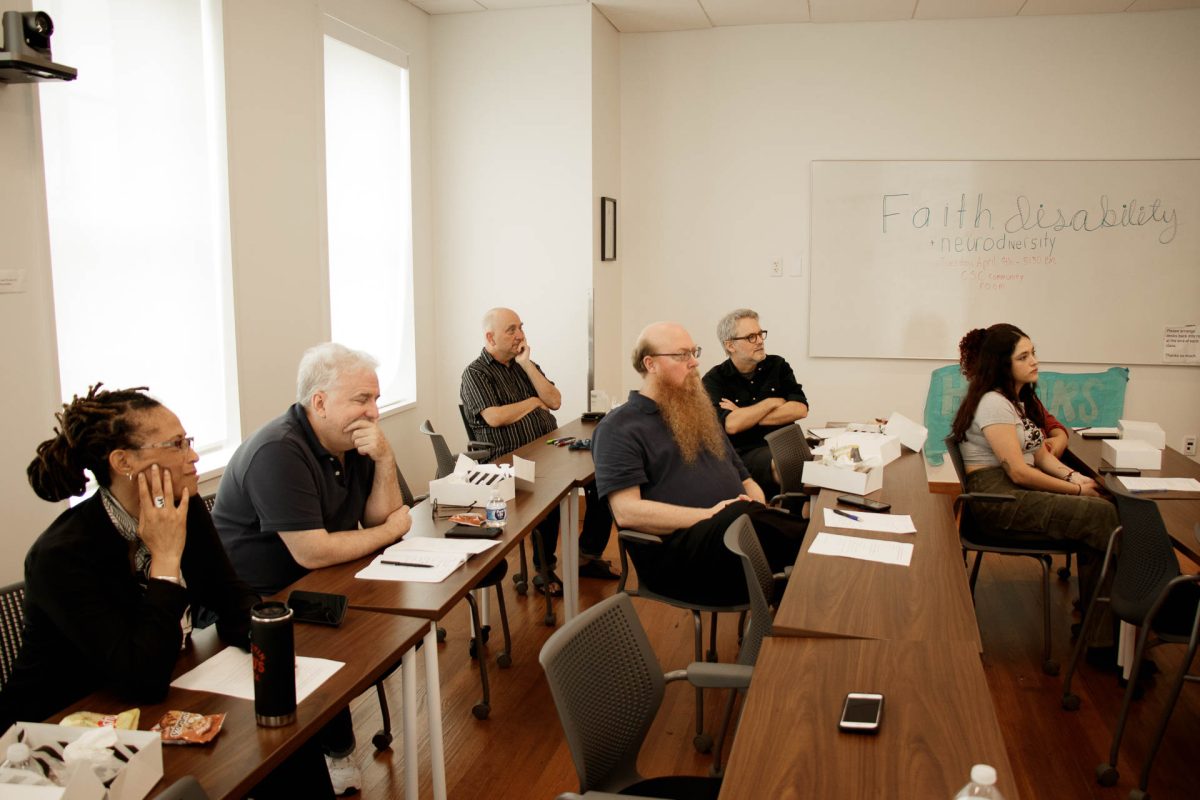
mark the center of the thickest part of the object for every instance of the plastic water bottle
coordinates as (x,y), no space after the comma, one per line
(983,784)
(19,768)
(497,511)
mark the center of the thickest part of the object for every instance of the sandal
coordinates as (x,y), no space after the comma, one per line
(598,568)
(556,585)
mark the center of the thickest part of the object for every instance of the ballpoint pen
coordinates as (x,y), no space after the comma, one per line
(405,564)
(845,514)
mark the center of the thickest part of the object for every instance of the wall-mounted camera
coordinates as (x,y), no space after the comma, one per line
(25,57)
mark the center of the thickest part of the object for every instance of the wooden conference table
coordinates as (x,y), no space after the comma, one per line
(847,625)
(244,753)
(1180,510)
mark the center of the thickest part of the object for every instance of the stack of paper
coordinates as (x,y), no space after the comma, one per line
(423,559)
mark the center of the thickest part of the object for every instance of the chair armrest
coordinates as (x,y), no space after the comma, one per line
(774,501)
(982,497)
(706,675)
(628,535)
(478,455)
(420,498)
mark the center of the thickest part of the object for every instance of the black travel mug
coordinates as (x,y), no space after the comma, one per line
(273,656)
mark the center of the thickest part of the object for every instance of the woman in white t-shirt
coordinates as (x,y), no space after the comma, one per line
(999,430)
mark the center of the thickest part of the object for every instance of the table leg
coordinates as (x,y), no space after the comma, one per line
(408,672)
(569,536)
(433,699)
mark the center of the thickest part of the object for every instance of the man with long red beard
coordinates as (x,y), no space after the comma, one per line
(667,468)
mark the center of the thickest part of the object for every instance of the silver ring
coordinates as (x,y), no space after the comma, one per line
(160,501)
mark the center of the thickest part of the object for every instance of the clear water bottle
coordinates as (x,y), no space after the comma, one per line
(20,768)
(497,511)
(983,784)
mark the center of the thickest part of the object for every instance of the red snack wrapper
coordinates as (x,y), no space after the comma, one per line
(185,727)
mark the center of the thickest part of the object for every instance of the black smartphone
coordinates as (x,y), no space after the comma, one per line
(1120,471)
(318,608)
(473,532)
(592,416)
(861,713)
(858,501)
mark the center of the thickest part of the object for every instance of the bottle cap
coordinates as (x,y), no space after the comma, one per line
(18,752)
(983,775)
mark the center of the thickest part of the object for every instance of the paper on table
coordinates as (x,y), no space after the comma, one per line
(885,552)
(432,544)
(230,672)
(826,433)
(438,567)
(1161,484)
(889,523)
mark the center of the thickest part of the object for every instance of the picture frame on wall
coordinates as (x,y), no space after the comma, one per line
(608,229)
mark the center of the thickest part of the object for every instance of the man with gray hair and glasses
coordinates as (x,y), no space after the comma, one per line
(314,487)
(754,393)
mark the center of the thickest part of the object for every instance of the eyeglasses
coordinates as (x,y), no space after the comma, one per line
(183,444)
(682,355)
(752,338)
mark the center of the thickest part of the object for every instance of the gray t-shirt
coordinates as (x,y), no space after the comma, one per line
(995,409)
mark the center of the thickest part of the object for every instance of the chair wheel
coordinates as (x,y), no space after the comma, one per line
(1070,702)
(485,632)
(481,710)
(1107,775)
(1050,667)
(441,635)
(703,742)
(549,620)
(504,660)
(473,650)
(711,656)
(714,772)
(382,741)
(1064,573)
(522,587)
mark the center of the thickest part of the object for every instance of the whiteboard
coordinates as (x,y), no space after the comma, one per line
(1093,259)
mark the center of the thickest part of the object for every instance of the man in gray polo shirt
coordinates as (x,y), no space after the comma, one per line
(315,487)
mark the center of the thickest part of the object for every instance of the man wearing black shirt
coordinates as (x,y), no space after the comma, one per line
(754,393)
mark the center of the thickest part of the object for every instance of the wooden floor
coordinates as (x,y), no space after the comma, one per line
(519,752)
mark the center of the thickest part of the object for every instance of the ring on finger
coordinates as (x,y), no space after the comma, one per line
(160,501)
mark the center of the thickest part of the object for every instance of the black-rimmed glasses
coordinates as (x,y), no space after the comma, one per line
(181,443)
(752,338)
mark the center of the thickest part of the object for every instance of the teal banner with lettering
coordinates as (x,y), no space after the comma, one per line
(1095,399)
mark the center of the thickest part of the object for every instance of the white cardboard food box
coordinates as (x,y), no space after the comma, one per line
(141,749)
(843,479)
(1130,453)
(473,483)
(1148,432)
(871,446)
(911,434)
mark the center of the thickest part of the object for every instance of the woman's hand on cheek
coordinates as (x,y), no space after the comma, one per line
(162,528)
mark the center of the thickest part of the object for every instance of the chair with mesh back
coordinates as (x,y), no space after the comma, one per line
(607,687)
(12,627)
(974,537)
(702,741)
(1147,591)
(186,788)
(789,451)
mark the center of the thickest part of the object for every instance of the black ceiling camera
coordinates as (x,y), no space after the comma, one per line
(25,56)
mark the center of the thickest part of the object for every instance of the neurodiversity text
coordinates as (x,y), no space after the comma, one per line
(978,224)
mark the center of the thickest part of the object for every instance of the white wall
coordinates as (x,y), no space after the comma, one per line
(512,191)
(26,323)
(719,129)
(273,59)
(608,346)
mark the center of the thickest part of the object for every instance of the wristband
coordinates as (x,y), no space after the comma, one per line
(1080,486)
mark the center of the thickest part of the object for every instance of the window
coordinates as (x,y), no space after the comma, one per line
(368,198)
(136,192)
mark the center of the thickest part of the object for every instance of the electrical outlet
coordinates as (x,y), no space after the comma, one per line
(776,270)
(1189,445)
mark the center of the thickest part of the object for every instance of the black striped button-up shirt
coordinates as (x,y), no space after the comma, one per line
(487,383)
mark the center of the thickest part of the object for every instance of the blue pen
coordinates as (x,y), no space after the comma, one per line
(845,514)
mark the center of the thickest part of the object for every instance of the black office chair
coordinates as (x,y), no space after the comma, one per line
(12,627)
(702,741)
(1148,591)
(974,537)
(607,687)
(789,451)
(186,788)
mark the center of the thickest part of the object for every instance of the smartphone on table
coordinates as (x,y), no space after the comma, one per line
(861,712)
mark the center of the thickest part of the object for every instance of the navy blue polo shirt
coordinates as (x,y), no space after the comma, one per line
(632,446)
(283,479)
